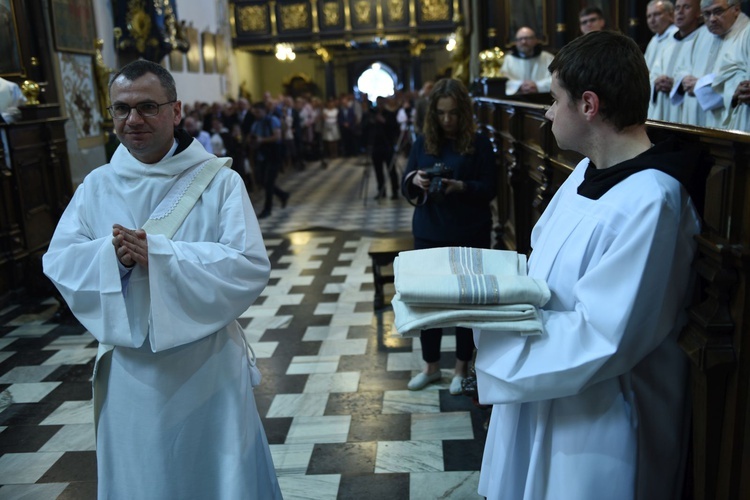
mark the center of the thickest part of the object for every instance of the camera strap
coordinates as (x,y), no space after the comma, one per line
(421,199)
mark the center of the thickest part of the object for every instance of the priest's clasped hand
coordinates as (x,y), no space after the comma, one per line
(131,245)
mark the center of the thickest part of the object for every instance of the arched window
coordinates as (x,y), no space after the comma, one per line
(377,80)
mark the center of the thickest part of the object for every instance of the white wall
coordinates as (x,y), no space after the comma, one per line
(209,87)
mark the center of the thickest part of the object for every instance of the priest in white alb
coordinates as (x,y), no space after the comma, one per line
(687,19)
(698,65)
(659,17)
(733,82)
(526,65)
(157,255)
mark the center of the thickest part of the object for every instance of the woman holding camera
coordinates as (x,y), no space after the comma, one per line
(451,175)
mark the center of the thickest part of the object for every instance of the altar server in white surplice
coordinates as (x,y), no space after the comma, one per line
(526,65)
(687,19)
(596,407)
(175,414)
(698,65)
(659,17)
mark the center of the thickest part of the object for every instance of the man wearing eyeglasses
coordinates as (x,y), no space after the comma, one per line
(174,411)
(687,19)
(659,17)
(733,82)
(591,19)
(526,65)
(698,67)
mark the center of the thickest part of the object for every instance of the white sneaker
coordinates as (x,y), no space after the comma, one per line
(456,386)
(421,380)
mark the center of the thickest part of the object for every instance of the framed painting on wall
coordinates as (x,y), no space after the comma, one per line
(81,102)
(221,54)
(176,61)
(525,13)
(209,52)
(193,54)
(10,46)
(73,25)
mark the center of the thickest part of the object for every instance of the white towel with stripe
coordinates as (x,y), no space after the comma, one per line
(467,287)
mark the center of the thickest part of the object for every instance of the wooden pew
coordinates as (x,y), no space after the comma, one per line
(717,337)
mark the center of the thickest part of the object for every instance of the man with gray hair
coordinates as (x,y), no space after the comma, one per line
(659,17)
(687,19)
(733,82)
(697,67)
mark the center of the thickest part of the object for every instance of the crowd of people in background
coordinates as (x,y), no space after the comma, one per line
(312,131)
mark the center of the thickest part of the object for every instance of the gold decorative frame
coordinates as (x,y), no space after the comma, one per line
(73,25)
(531,13)
(194,53)
(209,52)
(11,63)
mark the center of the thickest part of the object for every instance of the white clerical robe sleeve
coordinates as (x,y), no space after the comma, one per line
(199,287)
(85,270)
(623,307)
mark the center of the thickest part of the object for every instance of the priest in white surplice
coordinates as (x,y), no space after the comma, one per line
(687,19)
(698,64)
(596,407)
(175,414)
(733,82)
(659,17)
(526,65)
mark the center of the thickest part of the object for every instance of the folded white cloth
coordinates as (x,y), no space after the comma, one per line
(467,287)
(708,98)
(459,275)
(410,320)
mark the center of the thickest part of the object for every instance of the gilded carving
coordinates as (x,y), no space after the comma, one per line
(139,25)
(363,11)
(295,16)
(396,10)
(254,18)
(435,10)
(331,14)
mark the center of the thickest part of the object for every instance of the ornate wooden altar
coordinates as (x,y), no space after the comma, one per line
(533,167)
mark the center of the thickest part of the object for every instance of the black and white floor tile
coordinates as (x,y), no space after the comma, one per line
(339,418)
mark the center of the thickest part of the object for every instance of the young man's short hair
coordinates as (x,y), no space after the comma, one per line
(587,11)
(613,67)
(136,69)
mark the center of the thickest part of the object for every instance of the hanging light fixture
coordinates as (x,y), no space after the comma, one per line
(285,52)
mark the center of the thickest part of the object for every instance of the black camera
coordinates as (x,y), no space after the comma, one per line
(436,174)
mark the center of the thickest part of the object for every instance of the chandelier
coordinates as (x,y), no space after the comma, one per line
(285,52)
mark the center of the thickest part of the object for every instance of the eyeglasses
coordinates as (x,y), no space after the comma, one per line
(718,12)
(589,20)
(145,109)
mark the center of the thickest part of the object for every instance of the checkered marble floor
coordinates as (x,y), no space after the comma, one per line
(333,400)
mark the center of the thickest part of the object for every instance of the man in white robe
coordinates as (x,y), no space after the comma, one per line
(596,406)
(526,65)
(733,82)
(687,19)
(698,65)
(659,17)
(175,413)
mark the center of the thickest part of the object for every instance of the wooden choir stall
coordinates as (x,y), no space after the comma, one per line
(533,167)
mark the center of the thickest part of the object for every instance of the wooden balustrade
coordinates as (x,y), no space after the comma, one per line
(532,168)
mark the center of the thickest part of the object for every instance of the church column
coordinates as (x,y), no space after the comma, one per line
(329,71)
(415,49)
